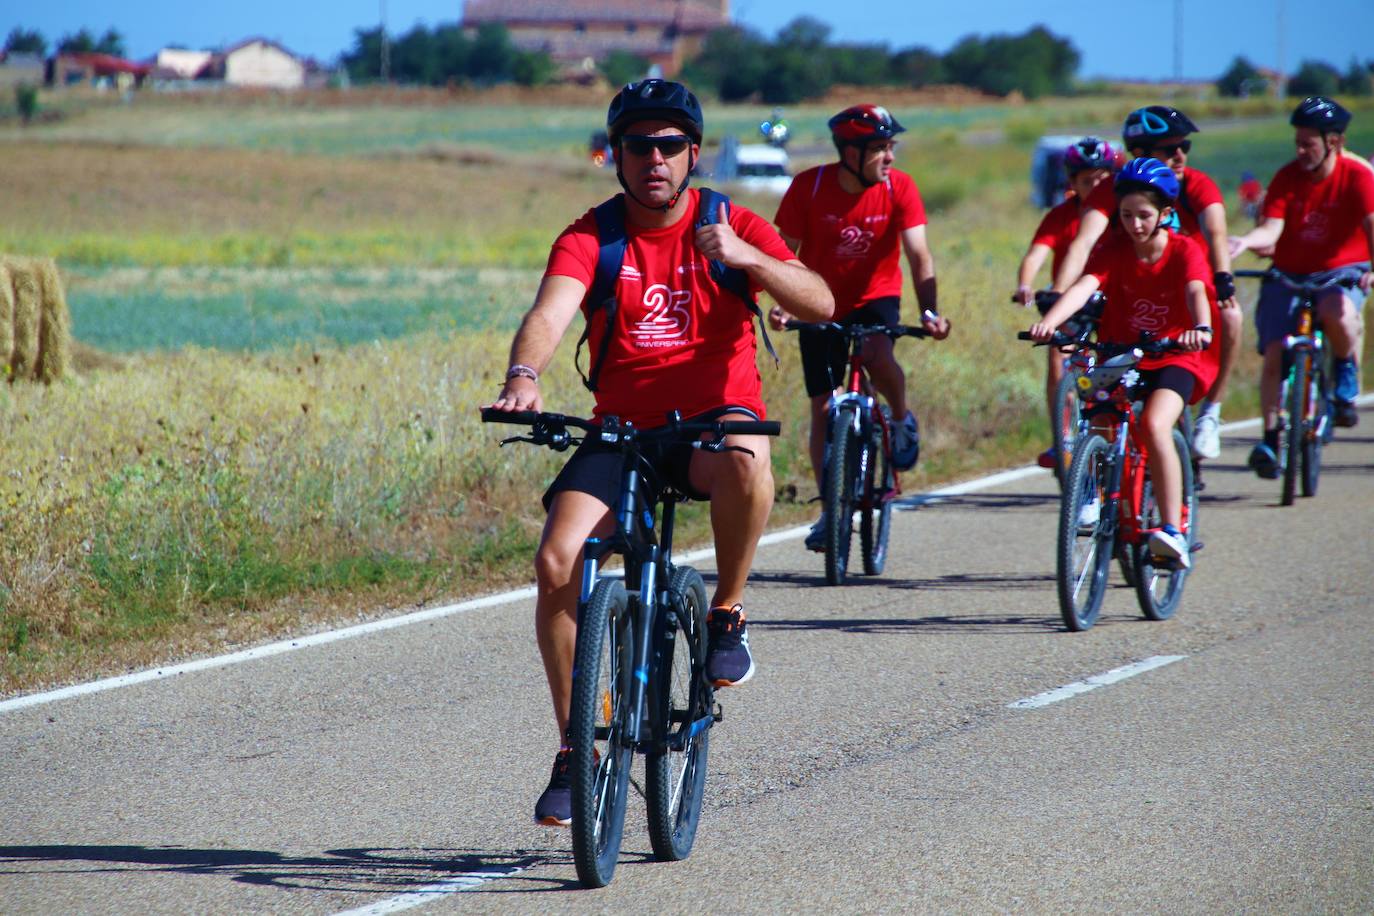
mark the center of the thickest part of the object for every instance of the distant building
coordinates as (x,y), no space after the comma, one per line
(180,63)
(262,64)
(97,69)
(577,34)
(19,68)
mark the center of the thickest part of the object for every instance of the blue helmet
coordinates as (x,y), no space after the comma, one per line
(1144,125)
(1147,173)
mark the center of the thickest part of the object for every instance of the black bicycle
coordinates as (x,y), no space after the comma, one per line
(858,475)
(1305,422)
(638,669)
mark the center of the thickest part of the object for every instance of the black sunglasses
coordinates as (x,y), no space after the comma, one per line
(670,146)
(1169,149)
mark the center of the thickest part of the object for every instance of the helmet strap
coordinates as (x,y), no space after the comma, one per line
(859,175)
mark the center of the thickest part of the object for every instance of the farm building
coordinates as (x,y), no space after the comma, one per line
(97,69)
(578,33)
(17,69)
(262,64)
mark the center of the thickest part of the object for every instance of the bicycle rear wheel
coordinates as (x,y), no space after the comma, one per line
(601,754)
(1084,552)
(1291,445)
(840,469)
(1159,588)
(1314,431)
(1064,422)
(675,774)
(875,514)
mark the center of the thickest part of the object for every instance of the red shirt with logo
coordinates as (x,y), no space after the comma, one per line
(852,240)
(1153,297)
(1058,229)
(1322,220)
(679,341)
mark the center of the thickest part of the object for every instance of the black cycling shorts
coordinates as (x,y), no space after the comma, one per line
(596,468)
(825,355)
(1172,378)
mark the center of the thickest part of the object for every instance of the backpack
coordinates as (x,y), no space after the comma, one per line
(610,230)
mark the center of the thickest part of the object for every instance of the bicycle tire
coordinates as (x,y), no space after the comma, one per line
(1083,558)
(600,701)
(839,494)
(1291,454)
(1313,432)
(1065,418)
(674,781)
(875,517)
(1159,589)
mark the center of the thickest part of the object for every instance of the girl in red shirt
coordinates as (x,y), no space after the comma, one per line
(1155,282)
(1087,162)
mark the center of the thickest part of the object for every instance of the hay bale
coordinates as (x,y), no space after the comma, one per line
(28,314)
(55,330)
(6,316)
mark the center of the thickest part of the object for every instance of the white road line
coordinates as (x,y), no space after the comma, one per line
(1094,682)
(431,892)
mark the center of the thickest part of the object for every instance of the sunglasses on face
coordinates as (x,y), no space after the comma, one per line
(1169,149)
(669,146)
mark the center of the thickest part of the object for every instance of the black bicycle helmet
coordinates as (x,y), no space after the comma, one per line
(1320,113)
(1144,125)
(655,99)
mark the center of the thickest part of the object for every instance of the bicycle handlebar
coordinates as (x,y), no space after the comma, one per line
(858,330)
(1152,347)
(550,424)
(1307,289)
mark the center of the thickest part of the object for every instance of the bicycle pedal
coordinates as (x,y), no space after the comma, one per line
(1197,545)
(718,713)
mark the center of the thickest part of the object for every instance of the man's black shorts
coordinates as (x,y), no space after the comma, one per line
(825,355)
(596,468)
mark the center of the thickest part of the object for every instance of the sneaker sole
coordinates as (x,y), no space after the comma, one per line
(552,821)
(721,682)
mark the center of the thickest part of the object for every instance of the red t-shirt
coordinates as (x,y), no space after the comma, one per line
(852,240)
(1153,297)
(680,341)
(1322,220)
(1058,229)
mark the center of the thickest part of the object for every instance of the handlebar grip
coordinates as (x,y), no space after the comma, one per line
(520,417)
(753,427)
(1024,335)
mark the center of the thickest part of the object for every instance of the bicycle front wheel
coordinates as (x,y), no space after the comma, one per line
(675,772)
(875,512)
(1085,544)
(1159,587)
(1318,419)
(1064,422)
(840,468)
(601,753)
(1294,396)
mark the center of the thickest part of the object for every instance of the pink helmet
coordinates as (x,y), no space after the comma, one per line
(1089,153)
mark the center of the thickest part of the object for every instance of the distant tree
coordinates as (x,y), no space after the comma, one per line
(731,62)
(1356,80)
(1314,77)
(1242,79)
(621,67)
(26,100)
(1036,63)
(111,43)
(451,52)
(533,68)
(804,32)
(413,59)
(860,65)
(23,41)
(493,56)
(364,61)
(917,67)
(82,42)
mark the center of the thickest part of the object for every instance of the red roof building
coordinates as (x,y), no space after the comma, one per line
(579,33)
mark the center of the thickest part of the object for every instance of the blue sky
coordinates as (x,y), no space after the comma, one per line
(1214,31)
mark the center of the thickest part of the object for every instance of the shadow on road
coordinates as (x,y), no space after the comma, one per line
(383,872)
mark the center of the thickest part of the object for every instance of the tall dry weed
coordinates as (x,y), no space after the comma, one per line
(28,315)
(6,314)
(55,334)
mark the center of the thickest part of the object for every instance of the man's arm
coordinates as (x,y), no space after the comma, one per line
(1090,228)
(1025,274)
(1265,235)
(1367,281)
(543,327)
(796,287)
(922,263)
(1214,227)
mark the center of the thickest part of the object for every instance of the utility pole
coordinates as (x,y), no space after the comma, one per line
(386,48)
(1178,40)
(1278,87)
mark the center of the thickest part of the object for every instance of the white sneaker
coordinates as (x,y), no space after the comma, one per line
(1207,435)
(1089,513)
(1171,545)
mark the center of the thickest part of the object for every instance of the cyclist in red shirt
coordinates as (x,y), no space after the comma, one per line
(1162,132)
(1155,281)
(1251,194)
(1319,216)
(850,221)
(1086,162)
(679,341)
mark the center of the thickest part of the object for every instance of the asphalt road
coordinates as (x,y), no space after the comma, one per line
(874,764)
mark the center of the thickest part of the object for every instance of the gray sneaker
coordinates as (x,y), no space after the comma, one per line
(1207,436)
(815,538)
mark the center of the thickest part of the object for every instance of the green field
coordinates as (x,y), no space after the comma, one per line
(289,315)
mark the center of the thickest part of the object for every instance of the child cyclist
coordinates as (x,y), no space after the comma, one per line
(1155,282)
(1086,163)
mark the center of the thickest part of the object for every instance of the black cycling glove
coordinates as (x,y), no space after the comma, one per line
(1225,284)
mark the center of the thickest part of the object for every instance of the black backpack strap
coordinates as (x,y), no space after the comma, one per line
(610,230)
(732,278)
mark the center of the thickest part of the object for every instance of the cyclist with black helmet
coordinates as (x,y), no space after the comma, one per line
(1155,282)
(850,221)
(1086,162)
(676,339)
(1162,132)
(1319,216)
